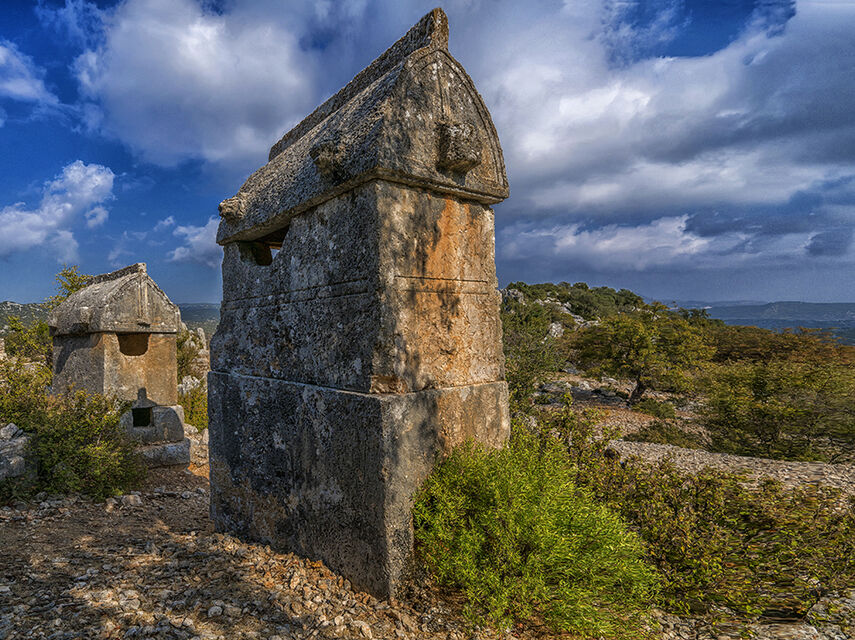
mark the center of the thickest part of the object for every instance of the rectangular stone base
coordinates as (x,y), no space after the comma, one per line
(166,454)
(331,474)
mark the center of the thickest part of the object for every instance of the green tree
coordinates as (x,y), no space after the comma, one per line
(69,280)
(652,347)
(29,341)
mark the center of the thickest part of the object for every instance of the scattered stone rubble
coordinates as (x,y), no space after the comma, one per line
(198,444)
(103,570)
(149,565)
(360,333)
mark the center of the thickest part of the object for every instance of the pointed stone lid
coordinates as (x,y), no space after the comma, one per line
(123,301)
(413,116)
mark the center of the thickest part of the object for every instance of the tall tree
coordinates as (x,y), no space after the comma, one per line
(654,348)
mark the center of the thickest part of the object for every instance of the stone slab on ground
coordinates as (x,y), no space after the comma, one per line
(13,452)
(166,454)
(841,476)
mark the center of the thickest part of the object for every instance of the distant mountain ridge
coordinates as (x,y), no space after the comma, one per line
(839,316)
(842,312)
(28,313)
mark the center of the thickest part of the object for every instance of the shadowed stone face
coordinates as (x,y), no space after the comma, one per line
(360,335)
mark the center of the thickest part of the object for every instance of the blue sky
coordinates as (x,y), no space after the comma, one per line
(683,149)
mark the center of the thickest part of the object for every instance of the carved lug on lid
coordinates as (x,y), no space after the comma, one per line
(327,156)
(459,146)
(231,209)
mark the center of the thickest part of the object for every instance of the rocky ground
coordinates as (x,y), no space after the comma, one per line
(149,565)
(841,476)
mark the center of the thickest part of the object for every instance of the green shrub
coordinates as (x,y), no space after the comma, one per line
(769,550)
(665,432)
(195,403)
(530,354)
(661,410)
(30,342)
(514,532)
(186,351)
(23,390)
(77,442)
(81,447)
(787,409)
(590,303)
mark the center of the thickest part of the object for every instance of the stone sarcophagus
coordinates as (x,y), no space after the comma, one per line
(118,337)
(360,334)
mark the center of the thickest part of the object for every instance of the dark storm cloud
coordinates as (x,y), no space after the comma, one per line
(834,242)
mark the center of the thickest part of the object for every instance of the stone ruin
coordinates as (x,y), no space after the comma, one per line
(117,336)
(360,334)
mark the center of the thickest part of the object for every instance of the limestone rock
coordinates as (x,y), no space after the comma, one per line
(13,452)
(166,454)
(198,444)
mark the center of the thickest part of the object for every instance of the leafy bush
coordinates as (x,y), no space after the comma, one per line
(512,529)
(77,441)
(81,447)
(666,432)
(195,403)
(715,542)
(530,354)
(782,409)
(661,410)
(32,341)
(23,391)
(187,350)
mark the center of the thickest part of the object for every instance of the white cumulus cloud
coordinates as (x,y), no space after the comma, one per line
(80,189)
(174,81)
(164,224)
(200,244)
(20,78)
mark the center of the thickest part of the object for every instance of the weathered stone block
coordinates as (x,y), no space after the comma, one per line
(360,334)
(331,474)
(166,454)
